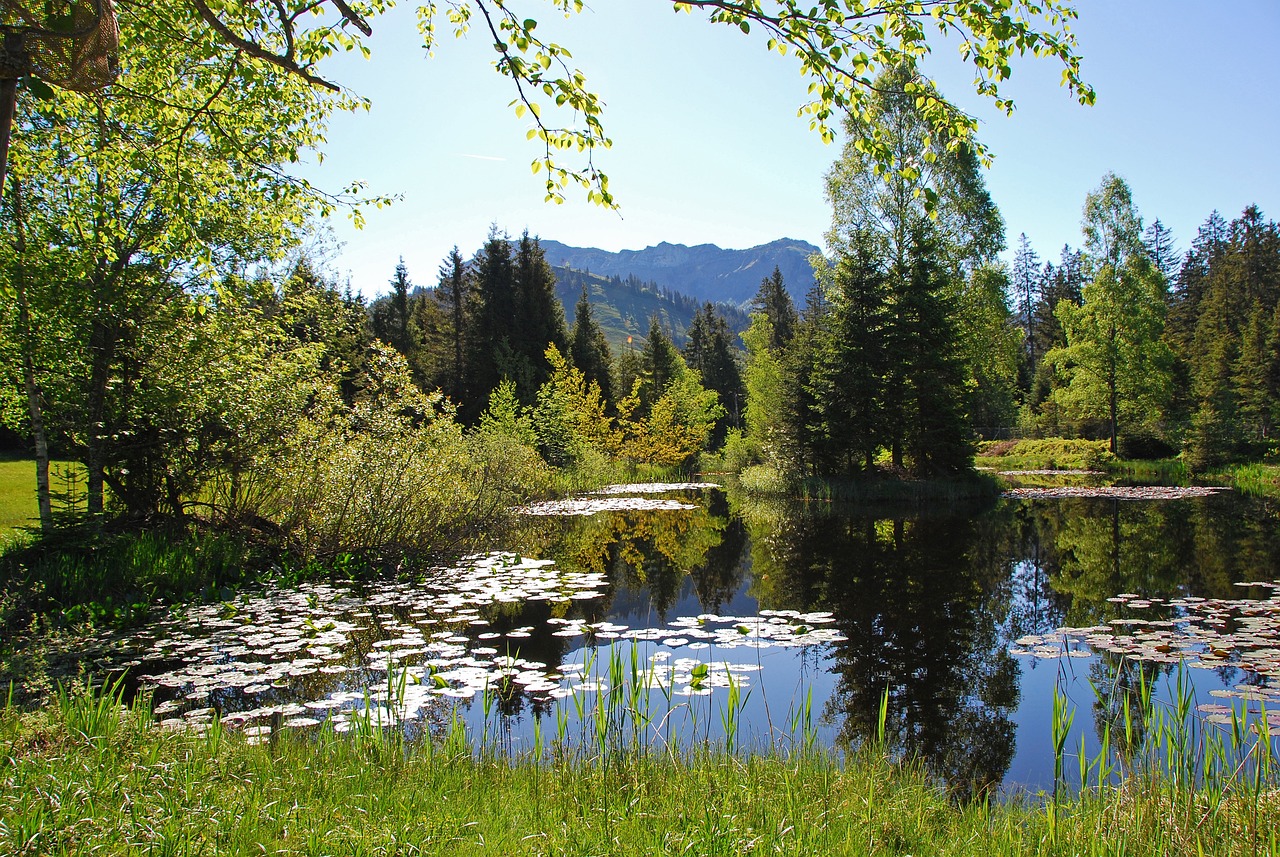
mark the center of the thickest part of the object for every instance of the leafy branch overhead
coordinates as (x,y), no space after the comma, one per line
(842,47)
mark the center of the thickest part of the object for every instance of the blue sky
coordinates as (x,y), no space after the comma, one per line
(708,147)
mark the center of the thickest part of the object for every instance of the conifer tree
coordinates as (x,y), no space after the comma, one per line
(660,362)
(851,368)
(709,349)
(451,292)
(1158,239)
(774,301)
(1026,288)
(589,350)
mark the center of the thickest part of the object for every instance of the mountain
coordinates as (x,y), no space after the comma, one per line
(622,307)
(704,273)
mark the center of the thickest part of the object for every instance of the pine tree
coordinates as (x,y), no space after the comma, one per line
(589,350)
(848,380)
(1026,287)
(709,349)
(660,362)
(539,317)
(774,301)
(937,436)
(1158,240)
(452,294)
(489,327)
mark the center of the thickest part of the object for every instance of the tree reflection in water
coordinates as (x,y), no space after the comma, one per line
(931,599)
(925,600)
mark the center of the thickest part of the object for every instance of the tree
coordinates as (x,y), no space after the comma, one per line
(136,206)
(924,222)
(851,367)
(1026,289)
(990,345)
(1112,226)
(774,301)
(660,364)
(589,350)
(1115,363)
(840,45)
(709,350)
(452,291)
(1158,239)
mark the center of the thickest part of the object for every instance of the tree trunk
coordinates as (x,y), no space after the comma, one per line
(34,397)
(101,342)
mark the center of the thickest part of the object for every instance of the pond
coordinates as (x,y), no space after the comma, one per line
(673,615)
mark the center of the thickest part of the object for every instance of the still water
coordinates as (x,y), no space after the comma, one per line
(770,625)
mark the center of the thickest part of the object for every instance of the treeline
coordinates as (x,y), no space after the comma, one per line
(917,341)
(906,342)
(1161,353)
(491,336)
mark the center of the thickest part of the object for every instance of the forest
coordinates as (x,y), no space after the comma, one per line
(195,379)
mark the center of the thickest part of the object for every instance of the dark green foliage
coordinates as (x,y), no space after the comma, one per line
(852,363)
(774,301)
(1224,315)
(589,350)
(935,433)
(1026,286)
(516,316)
(452,292)
(390,315)
(659,365)
(710,350)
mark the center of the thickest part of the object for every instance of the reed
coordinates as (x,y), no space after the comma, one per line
(104,780)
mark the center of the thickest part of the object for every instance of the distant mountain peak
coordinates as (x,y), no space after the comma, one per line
(703,271)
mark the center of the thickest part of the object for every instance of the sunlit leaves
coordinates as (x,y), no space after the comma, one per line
(841,46)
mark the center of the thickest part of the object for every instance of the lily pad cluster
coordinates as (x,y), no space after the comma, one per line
(394,652)
(637,497)
(655,488)
(1204,633)
(1115,492)
(594,505)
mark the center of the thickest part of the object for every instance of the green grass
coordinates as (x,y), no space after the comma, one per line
(1254,478)
(18,492)
(17,496)
(1044,454)
(84,777)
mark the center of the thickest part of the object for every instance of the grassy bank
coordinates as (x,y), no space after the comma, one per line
(765,481)
(90,778)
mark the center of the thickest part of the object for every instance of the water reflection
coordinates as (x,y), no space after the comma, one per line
(925,602)
(930,604)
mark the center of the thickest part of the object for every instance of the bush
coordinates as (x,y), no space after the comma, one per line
(393,475)
(763,479)
(1051,453)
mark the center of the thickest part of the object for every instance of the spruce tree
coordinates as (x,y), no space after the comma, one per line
(452,295)
(852,360)
(1158,239)
(659,364)
(774,301)
(539,318)
(589,350)
(937,436)
(1026,287)
(710,350)
(487,341)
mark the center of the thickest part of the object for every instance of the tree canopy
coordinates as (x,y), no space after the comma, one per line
(841,47)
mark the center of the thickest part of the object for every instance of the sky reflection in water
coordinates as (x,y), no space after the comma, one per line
(954,613)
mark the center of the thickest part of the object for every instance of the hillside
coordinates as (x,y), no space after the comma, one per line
(622,307)
(704,272)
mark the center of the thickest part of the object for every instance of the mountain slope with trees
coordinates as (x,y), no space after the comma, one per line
(704,272)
